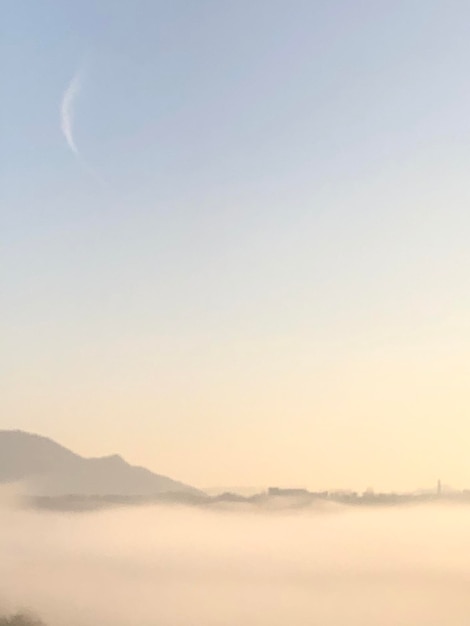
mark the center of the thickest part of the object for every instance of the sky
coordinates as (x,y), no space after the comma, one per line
(234,237)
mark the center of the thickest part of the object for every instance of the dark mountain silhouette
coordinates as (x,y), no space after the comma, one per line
(49,469)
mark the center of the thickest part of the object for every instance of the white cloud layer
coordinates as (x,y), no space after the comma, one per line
(183,567)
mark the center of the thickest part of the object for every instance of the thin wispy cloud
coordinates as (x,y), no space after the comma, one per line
(67,115)
(67,108)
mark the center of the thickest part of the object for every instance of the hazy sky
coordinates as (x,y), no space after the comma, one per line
(235,236)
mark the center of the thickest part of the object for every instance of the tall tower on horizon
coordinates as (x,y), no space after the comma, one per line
(439,487)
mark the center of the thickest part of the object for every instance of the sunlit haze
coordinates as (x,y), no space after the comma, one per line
(235,250)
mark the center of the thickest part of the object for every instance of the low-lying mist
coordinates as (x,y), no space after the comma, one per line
(165,566)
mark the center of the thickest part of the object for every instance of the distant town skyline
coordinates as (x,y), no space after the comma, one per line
(57,470)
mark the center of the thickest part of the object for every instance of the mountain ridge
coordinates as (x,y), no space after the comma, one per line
(49,469)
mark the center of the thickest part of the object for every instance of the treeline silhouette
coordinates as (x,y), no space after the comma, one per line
(20,619)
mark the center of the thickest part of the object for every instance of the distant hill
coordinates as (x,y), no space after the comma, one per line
(49,469)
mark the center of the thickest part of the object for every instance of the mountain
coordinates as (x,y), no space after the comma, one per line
(49,469)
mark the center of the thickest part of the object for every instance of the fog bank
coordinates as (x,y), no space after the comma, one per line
(167,566)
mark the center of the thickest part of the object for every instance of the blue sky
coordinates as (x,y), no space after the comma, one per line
(267,223)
